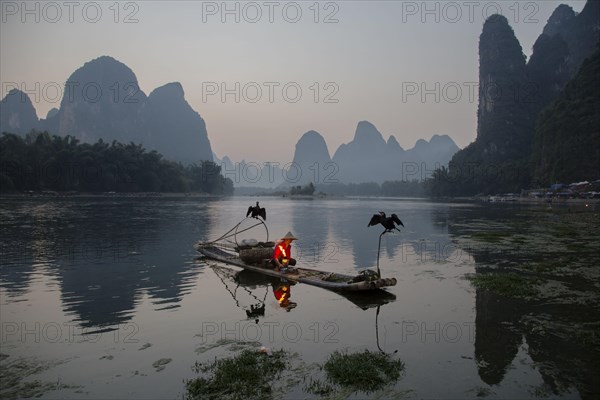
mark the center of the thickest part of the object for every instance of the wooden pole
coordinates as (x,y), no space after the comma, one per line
(378,251)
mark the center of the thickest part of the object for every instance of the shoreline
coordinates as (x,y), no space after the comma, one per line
(69,195)
(181,195)
(541,201)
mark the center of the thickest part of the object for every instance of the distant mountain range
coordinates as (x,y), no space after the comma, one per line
(369,158)
(102,100)
(366,158)
(17,114)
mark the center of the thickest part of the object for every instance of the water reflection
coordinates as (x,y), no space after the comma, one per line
(362,240)
(419,238)
(26,244)
(329,229)
(310,223)
(503,324)
(247,289)
(497,341)
(282,291)
(103,253)
(110,258)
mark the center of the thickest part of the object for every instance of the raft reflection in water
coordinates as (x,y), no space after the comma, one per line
(256,286)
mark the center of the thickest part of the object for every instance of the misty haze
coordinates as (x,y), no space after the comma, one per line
(290,200)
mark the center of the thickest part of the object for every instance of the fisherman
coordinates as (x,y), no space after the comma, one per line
(282,252)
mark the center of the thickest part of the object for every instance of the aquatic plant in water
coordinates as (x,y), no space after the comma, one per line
(364,371)
(248,375)
(504,283)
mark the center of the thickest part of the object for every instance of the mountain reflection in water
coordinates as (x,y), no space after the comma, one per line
(109,257)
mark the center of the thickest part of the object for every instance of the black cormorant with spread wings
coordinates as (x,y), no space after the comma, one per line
(257,211)
(389,223)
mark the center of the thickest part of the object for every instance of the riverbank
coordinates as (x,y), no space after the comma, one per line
(535,200)
(62,195)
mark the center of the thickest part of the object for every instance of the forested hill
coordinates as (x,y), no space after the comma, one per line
(506,155)
(567,136)
(40,161)
(118,110)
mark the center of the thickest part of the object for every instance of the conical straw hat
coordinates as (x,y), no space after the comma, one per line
(289,236)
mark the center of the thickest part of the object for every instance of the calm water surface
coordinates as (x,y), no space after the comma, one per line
(95,291)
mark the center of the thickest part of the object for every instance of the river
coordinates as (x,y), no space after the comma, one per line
(105,297)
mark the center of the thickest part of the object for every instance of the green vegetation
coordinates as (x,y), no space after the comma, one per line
(41,161)
(413,188)
(248,375)
(505,284)
(161,364)
(567,136)
(306,190)
(365,372)
(490,237)
(469,174)
(252,374)
(535,136)
(320,388)
(589,334)
(497,161)
(15,382)
(549,255)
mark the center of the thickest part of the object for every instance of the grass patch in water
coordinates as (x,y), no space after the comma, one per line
(506,284)
(518,240)
(365,372)
(565,231)
(248,375)
(589,334)
(320,388)
(15,375)
(543,267)
(490,237)
(234,345)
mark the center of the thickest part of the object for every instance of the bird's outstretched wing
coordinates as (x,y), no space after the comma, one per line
(375,219)
(397,220)
(263,213)
(249,211)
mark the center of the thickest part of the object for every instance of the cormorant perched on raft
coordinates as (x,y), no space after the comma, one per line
(389,223)
(257,211)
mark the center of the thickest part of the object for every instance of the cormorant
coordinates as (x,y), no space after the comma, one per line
(389,223)
(257,211)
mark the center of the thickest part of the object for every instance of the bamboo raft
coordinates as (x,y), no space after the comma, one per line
(252,259)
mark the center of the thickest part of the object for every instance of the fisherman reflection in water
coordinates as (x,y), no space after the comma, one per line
(283,293)
(282,252)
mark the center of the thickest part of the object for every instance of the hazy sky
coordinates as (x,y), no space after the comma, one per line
(351,60)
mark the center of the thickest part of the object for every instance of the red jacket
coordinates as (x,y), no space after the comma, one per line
(282,293)
(282,251)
